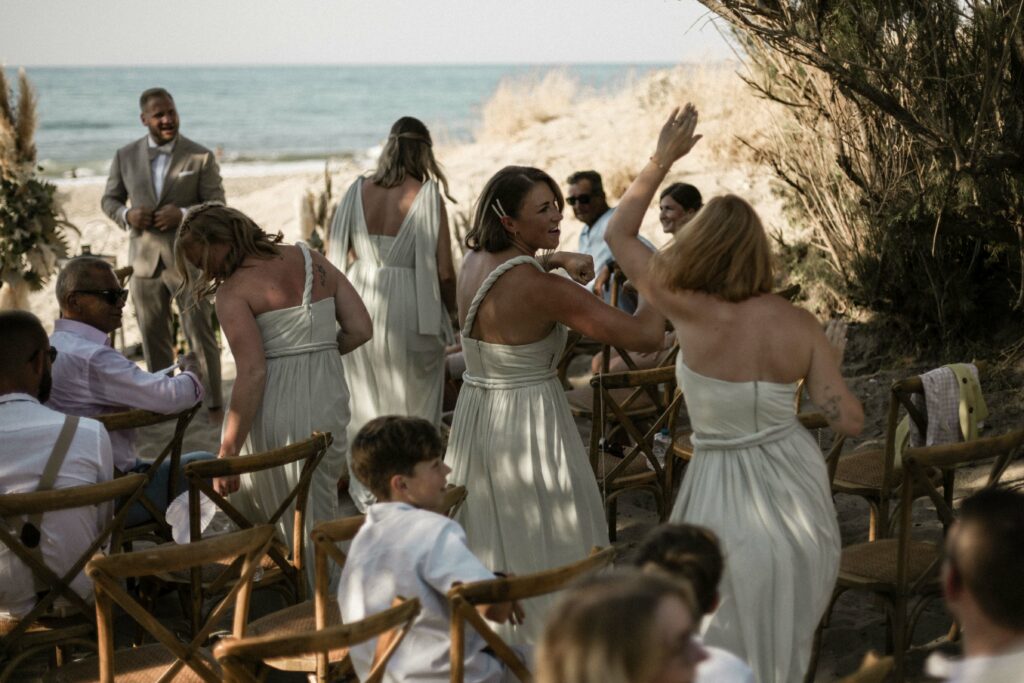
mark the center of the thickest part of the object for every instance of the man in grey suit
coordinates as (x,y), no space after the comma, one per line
(161,175)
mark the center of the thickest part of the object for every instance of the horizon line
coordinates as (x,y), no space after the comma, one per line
(222,65)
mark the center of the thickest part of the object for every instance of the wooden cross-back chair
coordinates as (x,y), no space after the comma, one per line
(465,598)
(123,275)
(157,528)
(322,612)
(239,658)
(43,629)
(873,474)
(282,566)
(901,569)
(639,468)
(169,657)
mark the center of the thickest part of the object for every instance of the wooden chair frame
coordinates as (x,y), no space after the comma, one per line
(872,670)
(244,548)
(138,419)
(918,463)
(61,631)
(238,657)
(657,383)
(200,476)
(879,499)
(465,597)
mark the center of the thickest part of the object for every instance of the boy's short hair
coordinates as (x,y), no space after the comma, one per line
(689,552)
(391,445)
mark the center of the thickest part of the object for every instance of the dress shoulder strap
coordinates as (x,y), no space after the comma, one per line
(307,289)
(489,281)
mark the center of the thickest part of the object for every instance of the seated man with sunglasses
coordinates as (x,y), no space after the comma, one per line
(92,378)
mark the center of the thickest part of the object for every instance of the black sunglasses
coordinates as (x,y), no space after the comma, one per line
(580,198)
(111,296)
(49,351)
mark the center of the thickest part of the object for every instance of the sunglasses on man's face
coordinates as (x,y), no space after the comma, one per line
(578,199)
(111,296)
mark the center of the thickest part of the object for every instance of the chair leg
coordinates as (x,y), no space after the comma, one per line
(872,521)
(612,508)
(899,634)
(812,666)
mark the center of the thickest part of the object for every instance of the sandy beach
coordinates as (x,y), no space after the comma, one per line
(551,123)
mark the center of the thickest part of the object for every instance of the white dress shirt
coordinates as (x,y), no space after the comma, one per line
(1002,668)
(722,666)
(402,550)
(91,378)
(28,432)
(158,167)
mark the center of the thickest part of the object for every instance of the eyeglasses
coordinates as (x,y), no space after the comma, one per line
(580,198)
(111,296)
(49,351)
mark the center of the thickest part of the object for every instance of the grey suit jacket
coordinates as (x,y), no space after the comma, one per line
(192,178)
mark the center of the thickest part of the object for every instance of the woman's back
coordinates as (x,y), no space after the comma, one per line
(763,338)
(385,208)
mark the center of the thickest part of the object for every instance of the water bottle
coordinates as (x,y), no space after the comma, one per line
(662,445)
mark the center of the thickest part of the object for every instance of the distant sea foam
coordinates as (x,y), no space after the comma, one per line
(270,118)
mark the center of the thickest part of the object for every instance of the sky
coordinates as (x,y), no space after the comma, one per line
(133,33)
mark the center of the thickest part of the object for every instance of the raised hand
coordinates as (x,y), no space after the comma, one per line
(677,136)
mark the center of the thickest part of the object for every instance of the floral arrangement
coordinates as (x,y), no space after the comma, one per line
(32,226)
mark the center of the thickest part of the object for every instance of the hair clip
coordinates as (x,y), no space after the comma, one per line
(498,208)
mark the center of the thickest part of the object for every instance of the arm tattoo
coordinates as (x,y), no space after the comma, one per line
(831,407)
(323,275)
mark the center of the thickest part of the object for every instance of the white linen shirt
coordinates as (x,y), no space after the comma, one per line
(1002,668)
(91,378)
(592,243)
(722,666)
(28,432)
(402,550)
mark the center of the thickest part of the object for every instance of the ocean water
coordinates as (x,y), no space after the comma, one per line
(256,115)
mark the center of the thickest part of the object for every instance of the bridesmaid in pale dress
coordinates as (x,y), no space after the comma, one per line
(757,478)
(288,316)
(389,235)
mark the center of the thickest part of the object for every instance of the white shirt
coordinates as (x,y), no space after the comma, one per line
(1004,668)
(592,243)
(158,167)
(722,666)
(90,378)
(402,550)
(28,432)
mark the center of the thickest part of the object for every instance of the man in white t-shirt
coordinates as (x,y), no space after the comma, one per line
(404,548)
(983,587)
(693,554)
(28,433)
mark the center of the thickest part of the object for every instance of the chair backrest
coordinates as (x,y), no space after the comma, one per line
(238,657)
(659,385)
(125,489)
(465,597)
(947,457)
(901,400)
(200,475)
(138,419)
(243,550)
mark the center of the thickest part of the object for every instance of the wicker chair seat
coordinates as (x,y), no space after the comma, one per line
(293,620)
(682,447)
(581,401)
(861,472)
(637,473)
(874,563)
(59,627)
(139,665)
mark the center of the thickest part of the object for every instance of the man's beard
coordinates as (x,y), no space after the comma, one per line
(45,385)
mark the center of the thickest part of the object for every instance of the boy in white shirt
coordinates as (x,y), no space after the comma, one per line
(692,553)
(406,548)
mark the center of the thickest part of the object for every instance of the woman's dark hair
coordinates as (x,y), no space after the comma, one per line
(503,195)
(683,194)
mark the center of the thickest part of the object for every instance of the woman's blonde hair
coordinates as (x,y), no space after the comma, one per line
(723,251)
(503,195)
(214,223)
(409,151)
(604,630)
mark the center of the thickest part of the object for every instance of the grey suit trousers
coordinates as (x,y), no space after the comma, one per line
(152,299)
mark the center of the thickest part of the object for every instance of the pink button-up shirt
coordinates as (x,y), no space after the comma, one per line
(91,378)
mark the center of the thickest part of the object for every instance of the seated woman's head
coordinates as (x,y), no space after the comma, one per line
(215,239)
(688,552)
(408,152)
(723,251)
(520,206)
(399,459)
(622,627)
(677,205)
